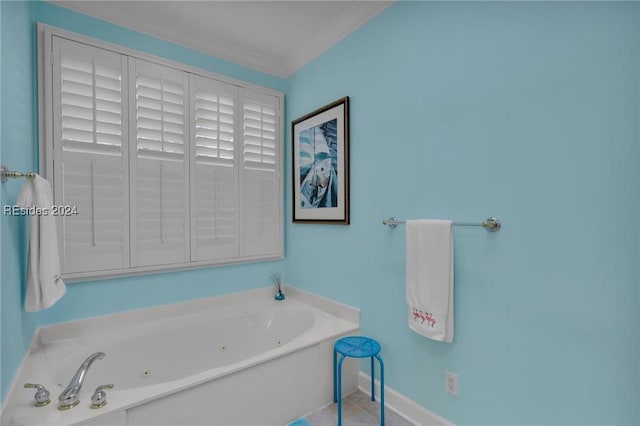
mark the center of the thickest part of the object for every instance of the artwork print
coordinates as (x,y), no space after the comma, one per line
(320,165)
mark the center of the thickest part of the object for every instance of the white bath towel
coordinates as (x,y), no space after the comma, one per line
(44,284)
(429,288)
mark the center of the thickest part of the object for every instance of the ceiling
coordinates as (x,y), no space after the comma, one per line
(276,37)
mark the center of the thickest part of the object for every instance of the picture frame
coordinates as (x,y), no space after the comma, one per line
(320,147)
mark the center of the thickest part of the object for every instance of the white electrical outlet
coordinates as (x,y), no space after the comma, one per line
(451,383)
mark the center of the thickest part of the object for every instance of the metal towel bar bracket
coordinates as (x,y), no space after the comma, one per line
(490,224)
(5,174)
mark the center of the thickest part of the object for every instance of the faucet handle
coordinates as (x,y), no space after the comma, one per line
(99,397)
(42,394)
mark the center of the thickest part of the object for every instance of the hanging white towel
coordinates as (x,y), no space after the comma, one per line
(429,288)
(44,284)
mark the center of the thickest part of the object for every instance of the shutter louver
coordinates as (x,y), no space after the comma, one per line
(214,175)
(215,142)
(160,118)
(91,143)
(91,105)
(160,195)
(259,132)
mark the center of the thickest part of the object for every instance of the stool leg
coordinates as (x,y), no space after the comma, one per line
(335,377)
(373,378)
(381,389)
(340,390)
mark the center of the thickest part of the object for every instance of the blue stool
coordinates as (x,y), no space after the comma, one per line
(356,347)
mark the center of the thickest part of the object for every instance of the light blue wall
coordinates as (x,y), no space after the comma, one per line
(525,111)
(20,152)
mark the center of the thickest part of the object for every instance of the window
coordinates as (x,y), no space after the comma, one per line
(169,167)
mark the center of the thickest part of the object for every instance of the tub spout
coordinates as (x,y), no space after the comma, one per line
(69,397)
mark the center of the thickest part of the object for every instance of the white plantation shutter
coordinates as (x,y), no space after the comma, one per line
(159,164)
(261,199)
(90,151)
(214,173)
(165,166)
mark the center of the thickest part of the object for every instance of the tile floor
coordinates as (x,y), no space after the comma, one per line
(357,410)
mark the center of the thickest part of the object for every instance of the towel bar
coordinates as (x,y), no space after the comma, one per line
(490,224)
(5,174)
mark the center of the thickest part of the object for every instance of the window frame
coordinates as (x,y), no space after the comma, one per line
(45,60)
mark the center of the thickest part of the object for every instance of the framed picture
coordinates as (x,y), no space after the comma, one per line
(321,165)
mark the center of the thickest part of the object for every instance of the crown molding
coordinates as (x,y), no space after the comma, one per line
(282,65)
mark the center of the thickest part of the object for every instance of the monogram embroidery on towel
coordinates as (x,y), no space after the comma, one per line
(418,315)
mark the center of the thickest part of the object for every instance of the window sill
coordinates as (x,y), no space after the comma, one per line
(148,270)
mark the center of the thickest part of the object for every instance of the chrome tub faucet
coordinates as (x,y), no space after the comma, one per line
(69,397)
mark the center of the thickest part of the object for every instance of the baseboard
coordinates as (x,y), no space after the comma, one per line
(400,404)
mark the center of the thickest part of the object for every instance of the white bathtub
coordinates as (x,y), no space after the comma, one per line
(236,359)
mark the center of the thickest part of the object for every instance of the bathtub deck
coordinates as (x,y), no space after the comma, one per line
(357,410)
(285,347)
